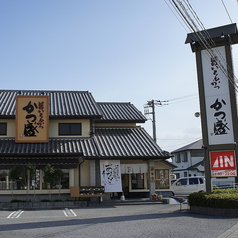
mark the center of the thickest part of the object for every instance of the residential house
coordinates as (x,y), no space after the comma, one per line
(189,161)
(93,143)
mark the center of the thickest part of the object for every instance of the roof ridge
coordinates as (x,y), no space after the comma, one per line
(42,90)
(114,102)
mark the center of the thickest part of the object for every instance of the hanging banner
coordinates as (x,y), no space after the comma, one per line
(223,163)
(217,98)
(32,119)
(111,175)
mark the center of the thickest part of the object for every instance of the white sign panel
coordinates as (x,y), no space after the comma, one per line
(134,168)
(217,98)
(111,175)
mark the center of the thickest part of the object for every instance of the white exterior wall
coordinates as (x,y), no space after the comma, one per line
(53,127)
(10,128)
(182,166)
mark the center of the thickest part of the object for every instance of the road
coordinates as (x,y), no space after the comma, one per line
(152,220)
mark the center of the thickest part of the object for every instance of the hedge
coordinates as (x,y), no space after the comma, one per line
(227,198)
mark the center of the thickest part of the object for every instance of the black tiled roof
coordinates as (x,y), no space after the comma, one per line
(62,103)
(56,147)
(133,142)
(120,111)
(110,143)
(39,161)
(71,104)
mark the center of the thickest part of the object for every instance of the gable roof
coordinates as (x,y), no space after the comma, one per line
(196,145)
(133,142)
(120,112)
(73,104)
(80,104)
(198,166)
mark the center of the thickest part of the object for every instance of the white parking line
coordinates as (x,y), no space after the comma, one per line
(69,213)
(15,214)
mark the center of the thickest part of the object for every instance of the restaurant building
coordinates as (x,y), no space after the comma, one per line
(94,144)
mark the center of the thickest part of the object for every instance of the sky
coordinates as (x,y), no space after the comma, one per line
(120,51)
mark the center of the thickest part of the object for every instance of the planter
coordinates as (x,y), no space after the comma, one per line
(154,197)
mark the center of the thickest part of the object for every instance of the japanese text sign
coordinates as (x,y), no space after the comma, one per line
(32,119)
(217,98)
(223,163)
(111,175)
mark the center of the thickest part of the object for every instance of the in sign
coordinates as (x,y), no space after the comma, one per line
(223,163)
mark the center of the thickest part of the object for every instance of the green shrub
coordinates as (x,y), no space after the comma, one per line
(227,198)
(57,200)
(45,200)
(16,200)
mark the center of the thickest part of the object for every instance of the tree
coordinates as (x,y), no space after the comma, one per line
(52,176)
(58,174)
(14,174)
(30,172)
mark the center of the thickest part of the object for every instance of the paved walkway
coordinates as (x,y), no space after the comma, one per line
(230,233)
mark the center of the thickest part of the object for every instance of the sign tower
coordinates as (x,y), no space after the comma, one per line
(217,94)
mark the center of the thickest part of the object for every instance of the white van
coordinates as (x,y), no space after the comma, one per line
(185,186)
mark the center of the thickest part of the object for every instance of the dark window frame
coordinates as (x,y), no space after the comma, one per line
(3,128)
(68,129)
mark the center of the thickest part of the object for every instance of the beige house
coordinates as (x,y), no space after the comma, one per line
(94,143)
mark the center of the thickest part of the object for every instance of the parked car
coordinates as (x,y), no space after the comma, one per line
(185,186)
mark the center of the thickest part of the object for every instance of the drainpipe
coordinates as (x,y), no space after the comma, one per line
(79,169)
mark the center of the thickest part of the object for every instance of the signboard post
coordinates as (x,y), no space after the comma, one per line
(217,95)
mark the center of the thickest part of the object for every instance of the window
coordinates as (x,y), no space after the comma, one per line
(201,181)
(4,182)
(182,182)
(161,178)
(67,129)
(193,181)
(177,158)
(184,157)
(137,181)
(62,183)
(3,128)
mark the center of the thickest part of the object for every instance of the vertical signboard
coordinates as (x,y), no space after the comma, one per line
(223,163)
(217,98)
(111,175)
(32,119)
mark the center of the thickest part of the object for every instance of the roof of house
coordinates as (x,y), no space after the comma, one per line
(120,111)
(198,166)
(109,143)
(73,104)
(131,142)
(196,145)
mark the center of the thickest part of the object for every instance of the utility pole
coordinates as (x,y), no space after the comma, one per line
(151,104)
(149,108)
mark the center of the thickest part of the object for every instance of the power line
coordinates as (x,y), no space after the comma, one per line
(190,95)
(226,10)
(204,39)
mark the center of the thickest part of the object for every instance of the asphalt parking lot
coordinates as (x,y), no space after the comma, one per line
(148,220)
